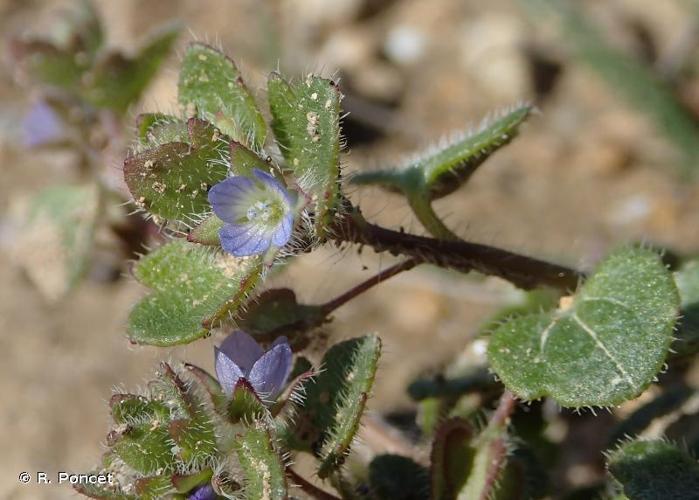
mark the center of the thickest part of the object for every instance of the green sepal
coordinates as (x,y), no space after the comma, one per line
(648,470)
(133,409)
(602,347)
(306,124)
(443,169)
(154,487)
(335,400)
(211,84)
(172,180)
(245,405)
(184,483)
(207,232)
(395,476)
(194,288)
(218,398)
(145,447)
(261,464)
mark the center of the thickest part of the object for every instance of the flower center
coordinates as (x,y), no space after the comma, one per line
(262,211)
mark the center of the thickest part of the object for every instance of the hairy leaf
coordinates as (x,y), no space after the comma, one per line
(335,400)
(262,467)
(602,347)
(172,180)
(211,83)
(306,124)
(444,168)
(650,470)
(193,289)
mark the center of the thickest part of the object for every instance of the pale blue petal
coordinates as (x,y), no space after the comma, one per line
(243,240)
(242,349)
(230,197)
(227,372)
(269,373)
(272,183)
(282,233)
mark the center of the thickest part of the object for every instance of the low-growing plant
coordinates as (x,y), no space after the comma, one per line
(239,195)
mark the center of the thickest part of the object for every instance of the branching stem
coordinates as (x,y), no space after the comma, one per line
(353,292)
(524,272)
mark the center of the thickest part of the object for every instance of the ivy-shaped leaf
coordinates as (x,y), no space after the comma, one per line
(262,467)
(444,168)
(336,398)
(650,470)
(601,347)
(172,180)
(306,124)
(212,85)
(193,289)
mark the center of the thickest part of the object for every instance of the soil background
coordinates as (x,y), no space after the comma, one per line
(587,173)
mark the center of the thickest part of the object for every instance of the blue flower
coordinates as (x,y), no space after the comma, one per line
(257,210)
(204,492)
(241,357)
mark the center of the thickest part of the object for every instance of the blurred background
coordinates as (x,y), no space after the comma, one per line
(600,164)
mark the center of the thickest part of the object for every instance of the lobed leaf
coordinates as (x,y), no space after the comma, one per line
(335,400)
(261,465)
(602,348)
(306,124)
(649,470)
(211,84)
(172,180)
(443,169)
(193,289)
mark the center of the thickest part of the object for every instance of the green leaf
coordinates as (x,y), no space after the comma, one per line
(306,124)
(687,279)
(146,447)
(650,470)
(243,161)
(156,129)
(452,459)
(172,180)
(186,483)
(193,289)
(117,81)
(443,169)
(211,83)
(396,477)
(132,409)
(261,465)
(600,348)
(54,243)
(335,400)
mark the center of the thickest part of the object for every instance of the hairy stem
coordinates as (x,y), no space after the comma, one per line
(353,292)
(498,447)
(524,272)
